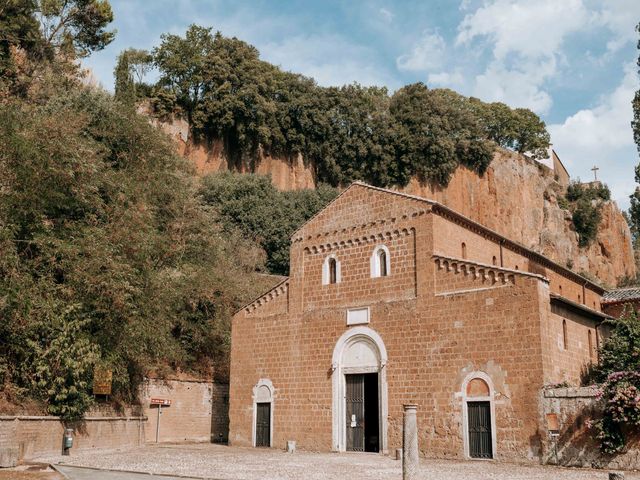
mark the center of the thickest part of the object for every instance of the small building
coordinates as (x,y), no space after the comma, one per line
(616,302)
(395,299)
(553,163)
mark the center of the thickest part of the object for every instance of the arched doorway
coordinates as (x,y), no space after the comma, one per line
(359,392)
(263,413)
(479,416)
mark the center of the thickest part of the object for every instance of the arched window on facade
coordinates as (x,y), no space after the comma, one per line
(494,261)
(464,250)
(590,346)
(380,262)
(564,335)
(331,270)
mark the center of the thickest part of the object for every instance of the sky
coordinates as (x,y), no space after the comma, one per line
(573,62)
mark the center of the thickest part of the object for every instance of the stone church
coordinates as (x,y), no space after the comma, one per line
(394,299)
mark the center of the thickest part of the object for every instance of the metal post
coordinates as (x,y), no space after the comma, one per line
(158,424)
(410,443)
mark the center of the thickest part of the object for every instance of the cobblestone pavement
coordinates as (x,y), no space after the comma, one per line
(234,463)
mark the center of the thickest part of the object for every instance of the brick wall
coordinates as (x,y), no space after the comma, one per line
(576,445)
(198,411)
(25,437)
(440,319)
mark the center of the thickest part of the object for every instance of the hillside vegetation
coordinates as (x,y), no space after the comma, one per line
(108,256)
(353,132)
(113,255)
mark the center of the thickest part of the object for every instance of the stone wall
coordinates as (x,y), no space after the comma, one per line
(25,437)
(576,446)
(198,411)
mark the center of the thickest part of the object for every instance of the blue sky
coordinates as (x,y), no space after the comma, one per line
(571,61)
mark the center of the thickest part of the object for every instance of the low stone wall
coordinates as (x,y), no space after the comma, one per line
(576,445)
(26,437)
(199,410)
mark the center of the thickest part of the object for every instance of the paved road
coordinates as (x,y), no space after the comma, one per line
(238,463)
(79,473)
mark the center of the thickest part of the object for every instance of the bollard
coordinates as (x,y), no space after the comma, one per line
(410,443)
(291,446)
(616,476)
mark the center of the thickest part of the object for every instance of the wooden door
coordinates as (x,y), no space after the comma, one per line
(355,412)
(480,439)
(263,424)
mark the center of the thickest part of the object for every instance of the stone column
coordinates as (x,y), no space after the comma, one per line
(410,443)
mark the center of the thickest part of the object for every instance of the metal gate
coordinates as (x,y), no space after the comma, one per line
(479,418)
(355,412)
(263,424)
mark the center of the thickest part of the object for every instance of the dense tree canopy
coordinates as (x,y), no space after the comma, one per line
(348,133)
(109,256)
(251,204)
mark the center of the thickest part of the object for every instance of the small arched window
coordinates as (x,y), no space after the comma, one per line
(560,288)
(564,334)
(517,268)
(464,250)
(380,262)
(494,261)
(590,346)
(331,270)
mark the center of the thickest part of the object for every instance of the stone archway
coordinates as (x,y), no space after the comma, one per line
(360,350)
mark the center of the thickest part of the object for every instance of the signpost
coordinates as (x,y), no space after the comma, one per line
(159,403)
(102,380)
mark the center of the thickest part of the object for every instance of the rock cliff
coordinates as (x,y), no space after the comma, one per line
(516,197)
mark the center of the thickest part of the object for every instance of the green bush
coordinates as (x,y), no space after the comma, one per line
(585,202)
(618,372)
(251,204)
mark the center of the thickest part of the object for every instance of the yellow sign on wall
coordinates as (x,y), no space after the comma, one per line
(102,379)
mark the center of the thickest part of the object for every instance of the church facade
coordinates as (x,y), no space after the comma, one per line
(393,299)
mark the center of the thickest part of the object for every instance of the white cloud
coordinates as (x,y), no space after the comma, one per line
(620,17)
(530,29)
(386,14)
(330,59)
(602,136)
(518,87)
(427,54)
(525,39)
(445,79)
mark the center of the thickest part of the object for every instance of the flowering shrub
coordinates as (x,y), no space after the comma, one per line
(620,394)
(618,374)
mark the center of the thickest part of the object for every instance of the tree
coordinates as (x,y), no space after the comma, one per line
(253,205)
(181,62)
(437,133)
(635,124)
(97,212)
(131,67)
(75,27)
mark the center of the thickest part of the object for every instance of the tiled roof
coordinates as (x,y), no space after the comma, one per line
(621,295)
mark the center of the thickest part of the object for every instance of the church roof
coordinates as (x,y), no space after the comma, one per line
(621,295)
(472,225)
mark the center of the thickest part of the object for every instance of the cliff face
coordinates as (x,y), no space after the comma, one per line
(516,197)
